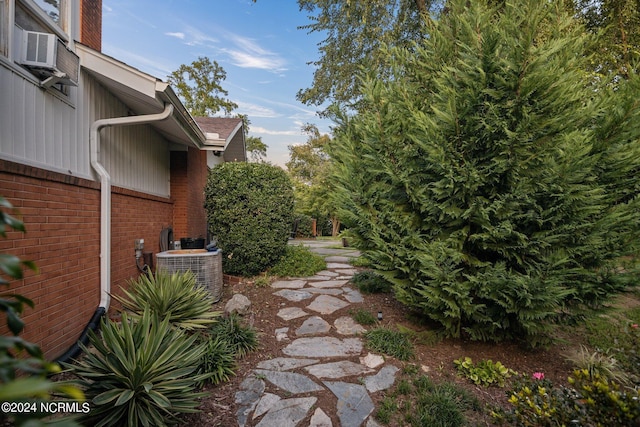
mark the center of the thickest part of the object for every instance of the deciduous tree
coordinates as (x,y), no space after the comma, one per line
(199,86)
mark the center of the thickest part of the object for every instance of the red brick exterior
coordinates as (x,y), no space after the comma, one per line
(62,217)
(188,179)
(91,23)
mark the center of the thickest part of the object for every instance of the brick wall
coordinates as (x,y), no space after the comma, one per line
(188,178)
(134,216)
(179,193)
(62,217)
(91,23)
(197,172)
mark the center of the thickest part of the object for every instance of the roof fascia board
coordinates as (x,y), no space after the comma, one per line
(181,115)
(118,71)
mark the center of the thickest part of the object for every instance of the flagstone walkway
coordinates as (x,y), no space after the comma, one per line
(283,391)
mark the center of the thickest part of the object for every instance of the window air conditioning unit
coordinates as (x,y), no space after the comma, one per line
(48,56)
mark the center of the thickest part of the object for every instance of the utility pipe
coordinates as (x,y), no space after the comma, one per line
(105,217)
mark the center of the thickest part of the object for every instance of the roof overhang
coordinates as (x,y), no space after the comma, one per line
(143,94)
(214,142)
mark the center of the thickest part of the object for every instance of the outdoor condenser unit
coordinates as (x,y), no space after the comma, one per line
(206,267)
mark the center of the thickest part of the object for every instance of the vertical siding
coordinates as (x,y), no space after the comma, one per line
(137,157)
(39,129)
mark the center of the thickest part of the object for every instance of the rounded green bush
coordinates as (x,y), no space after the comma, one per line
(250,211)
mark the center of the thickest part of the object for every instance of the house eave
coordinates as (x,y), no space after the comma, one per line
(143,94)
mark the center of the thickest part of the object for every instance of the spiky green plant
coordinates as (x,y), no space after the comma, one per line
(390,342)
(242,339)
(141,372)
(175,296)
(218,360)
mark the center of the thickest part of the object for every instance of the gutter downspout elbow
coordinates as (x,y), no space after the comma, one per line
(105,220)
(105,191)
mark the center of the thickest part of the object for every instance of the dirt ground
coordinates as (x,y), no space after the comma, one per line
(436,360)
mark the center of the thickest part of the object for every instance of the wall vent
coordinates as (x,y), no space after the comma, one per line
(206,266)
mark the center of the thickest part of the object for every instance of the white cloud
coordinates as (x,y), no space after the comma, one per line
(254,110)
(177,35)
(246,53)
(264,131)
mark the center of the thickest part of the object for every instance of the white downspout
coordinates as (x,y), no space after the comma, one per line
(105,192)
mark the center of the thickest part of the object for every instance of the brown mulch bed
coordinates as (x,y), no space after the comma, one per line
(436,360)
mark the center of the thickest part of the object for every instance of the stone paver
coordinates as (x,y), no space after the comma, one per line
(327,304)
(289,313)
(313,362)
(313,326)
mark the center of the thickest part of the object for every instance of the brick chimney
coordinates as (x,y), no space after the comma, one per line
(91,23)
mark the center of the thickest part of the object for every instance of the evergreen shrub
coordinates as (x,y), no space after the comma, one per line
(488,177)
(250,211)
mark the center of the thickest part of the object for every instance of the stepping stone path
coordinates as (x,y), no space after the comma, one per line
(283,391)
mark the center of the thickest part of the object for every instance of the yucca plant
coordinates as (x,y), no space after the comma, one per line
(242,339)
(142,372)
(175,296)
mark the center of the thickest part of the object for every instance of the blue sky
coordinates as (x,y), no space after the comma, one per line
(259,46)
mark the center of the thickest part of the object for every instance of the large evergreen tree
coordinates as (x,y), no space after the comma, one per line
(487,178)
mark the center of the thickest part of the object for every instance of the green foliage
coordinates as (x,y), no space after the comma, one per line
(303,225)
(485,373)
(591,401)
(356,33)
(310,169)
(597,364)
(175,296)
(427,403)
(218,361)
(250,210)
(240,338)
(617,335)
(140,372)
(298,261)
(369,282)
(198,85)
(487,179)
(23,368)
(617,49)
(364,317)
(390,342)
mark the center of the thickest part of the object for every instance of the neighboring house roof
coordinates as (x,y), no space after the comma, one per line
(224,134)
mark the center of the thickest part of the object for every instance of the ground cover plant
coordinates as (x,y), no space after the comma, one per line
(490,178)
(417,401)
(298,261)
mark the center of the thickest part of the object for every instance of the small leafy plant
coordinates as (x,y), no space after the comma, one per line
(390,342)
(485,372)
(218,361)
(592,400)
(369,282)
(175,296)
(141,372)
(241,339)
(298,261)
(364,317)
(418,401)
